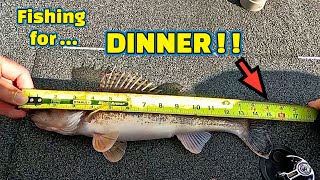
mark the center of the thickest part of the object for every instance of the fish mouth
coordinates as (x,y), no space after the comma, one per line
(37,118)
(38,121)
(39,125)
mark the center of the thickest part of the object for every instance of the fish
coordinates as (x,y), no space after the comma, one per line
(110,131)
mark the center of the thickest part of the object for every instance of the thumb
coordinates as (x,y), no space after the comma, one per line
(11,94)
(315,104)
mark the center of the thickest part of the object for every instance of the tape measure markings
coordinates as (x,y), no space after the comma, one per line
(167,104)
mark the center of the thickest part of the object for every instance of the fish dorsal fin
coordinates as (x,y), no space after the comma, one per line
(116,152)
(103,142)
(194,142)
(116,81)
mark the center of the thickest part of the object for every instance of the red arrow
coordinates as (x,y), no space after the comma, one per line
(252,77)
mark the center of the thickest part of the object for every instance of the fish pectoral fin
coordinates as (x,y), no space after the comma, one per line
(103,142)
(89,117)
(194,142)
(116,152)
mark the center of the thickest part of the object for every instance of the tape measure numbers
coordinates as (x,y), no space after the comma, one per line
(167,104)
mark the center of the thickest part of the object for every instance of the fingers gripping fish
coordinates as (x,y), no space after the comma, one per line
(111,130)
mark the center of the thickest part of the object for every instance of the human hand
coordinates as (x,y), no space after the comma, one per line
(315,104)
(13,77)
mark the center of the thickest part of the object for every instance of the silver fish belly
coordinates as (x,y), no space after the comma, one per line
(138,126)
(144,126)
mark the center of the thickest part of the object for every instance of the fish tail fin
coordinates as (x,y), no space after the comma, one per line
(257,138)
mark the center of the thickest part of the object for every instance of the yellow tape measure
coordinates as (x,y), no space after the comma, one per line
(167,104)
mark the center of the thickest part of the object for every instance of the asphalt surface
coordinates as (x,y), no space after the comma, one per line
(272,38)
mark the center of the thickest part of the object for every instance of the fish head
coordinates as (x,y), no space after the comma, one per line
(60,121)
